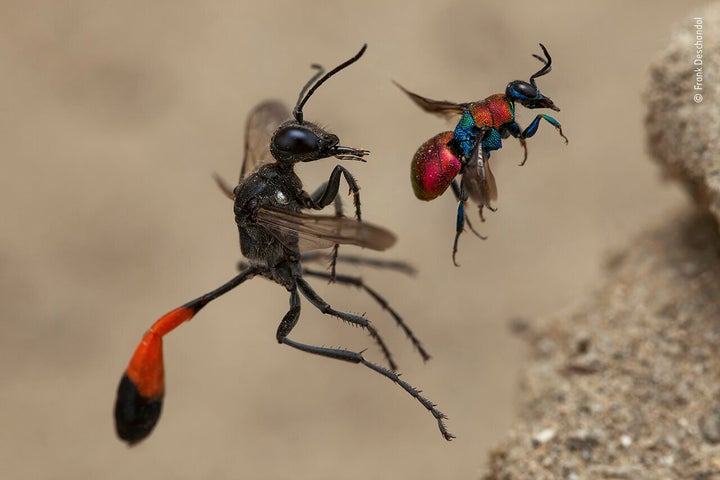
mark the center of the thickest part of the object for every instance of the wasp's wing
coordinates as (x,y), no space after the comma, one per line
(490,185)
(479,180)
(302,232)
(442,108)
(261,123)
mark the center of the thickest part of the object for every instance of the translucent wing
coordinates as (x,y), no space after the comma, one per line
(442,108)
(261,123)
(479,180)
(302,232)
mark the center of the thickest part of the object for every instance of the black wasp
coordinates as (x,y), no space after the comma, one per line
(275,234)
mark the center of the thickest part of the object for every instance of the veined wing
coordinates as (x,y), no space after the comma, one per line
(261,123)
(303,232)
(478,179)
(442,108)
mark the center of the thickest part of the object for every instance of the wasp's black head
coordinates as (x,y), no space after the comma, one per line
(302,142)
(527,93)
(305,142)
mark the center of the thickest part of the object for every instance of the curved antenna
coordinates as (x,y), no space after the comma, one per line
(297,111)
(545,69)
(313,79)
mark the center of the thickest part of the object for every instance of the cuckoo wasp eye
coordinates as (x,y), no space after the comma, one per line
(520,90)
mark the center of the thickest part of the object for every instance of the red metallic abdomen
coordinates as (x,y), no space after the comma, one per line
(433,167)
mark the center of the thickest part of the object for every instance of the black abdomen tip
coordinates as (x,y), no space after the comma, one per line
(135,415)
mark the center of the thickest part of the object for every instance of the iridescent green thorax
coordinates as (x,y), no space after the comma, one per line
(494,112)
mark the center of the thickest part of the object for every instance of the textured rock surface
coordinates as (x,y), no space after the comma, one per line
(683,131)
(627,384)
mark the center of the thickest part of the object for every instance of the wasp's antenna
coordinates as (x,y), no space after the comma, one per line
(313,79)
(303,98)
(546,68)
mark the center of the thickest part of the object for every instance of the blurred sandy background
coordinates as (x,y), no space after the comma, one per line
(115,115)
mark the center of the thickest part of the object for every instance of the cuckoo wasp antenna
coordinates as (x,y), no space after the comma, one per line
(547,68)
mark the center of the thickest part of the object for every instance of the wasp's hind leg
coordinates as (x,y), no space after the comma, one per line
(359,283)
(290,320)
(351,318)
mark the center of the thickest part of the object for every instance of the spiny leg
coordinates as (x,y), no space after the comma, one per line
(396,265)
(325,196)
(353,319)
(291,317)
(337,202)
(358,282)
(142,386)
(290,320)
(318,255)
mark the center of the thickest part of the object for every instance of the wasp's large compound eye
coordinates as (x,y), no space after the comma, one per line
(295,140)
(521,90)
